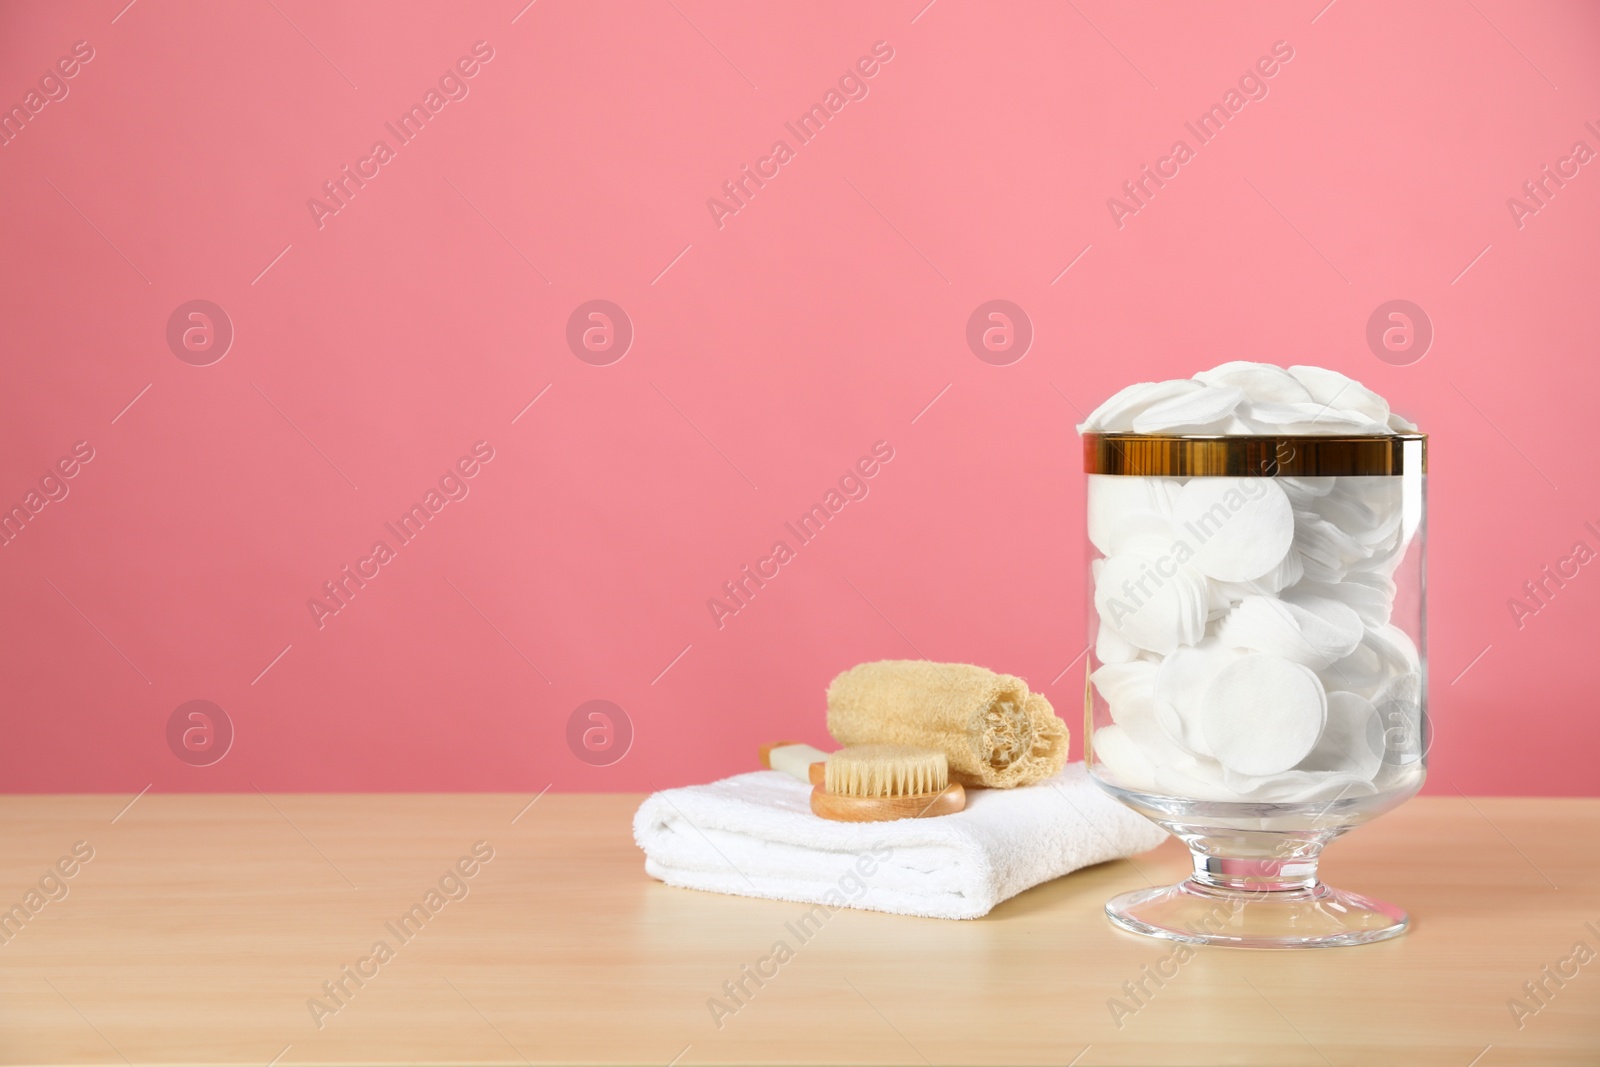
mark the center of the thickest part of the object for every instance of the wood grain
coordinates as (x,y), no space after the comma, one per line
(203,925)
(951,799)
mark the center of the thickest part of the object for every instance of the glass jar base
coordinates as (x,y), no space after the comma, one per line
(1316,916)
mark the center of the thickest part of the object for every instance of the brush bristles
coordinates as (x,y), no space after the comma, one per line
(886,771)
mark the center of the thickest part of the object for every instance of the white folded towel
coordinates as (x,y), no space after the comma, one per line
(754,835)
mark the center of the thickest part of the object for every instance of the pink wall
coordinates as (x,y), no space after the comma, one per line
(771,349)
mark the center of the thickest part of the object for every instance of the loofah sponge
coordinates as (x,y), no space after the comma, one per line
(994,732)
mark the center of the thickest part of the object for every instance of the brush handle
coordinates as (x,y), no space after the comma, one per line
(795,760)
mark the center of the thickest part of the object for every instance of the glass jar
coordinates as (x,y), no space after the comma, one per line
(1256,682)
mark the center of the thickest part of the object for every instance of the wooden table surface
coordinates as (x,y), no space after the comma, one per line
(203,926)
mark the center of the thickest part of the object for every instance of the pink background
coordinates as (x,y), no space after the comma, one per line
(770,353)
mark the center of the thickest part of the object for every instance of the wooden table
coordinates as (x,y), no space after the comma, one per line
(203,926)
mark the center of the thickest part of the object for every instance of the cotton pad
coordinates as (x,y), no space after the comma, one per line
(1362,671)
(1111,647)
(1198,411)
(1152,602)
(1181,679)
(1352,740)
(1148,724)
(1326,552)
(1240,528)
(1329,625)
(1300,400)
(1382,563)
(1189,776)
(1218,602)
(1258,381)
(1333,389)
(1303,491)
(1325,789)
(1126,762)
(1143,720)
(1316,632)
(1263,714)
(1299,787)
(1115,500)
(1385,652)
(1116,415)
(1368,509)
(1122,684)
(1395,646)
(1370,596)
(1288,572)
(1403,692)
(1143,532)
(1307,418)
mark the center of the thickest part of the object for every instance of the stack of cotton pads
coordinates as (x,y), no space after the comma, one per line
(1248,398)
(1245,645)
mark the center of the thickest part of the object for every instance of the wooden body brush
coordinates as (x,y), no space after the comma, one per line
(871,783)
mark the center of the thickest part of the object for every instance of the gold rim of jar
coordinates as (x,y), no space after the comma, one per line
(1256,456)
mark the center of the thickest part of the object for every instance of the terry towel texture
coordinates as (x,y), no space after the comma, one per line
(995,732)
(754,835)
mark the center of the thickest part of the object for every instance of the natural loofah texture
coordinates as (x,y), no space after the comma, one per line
(993,731)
